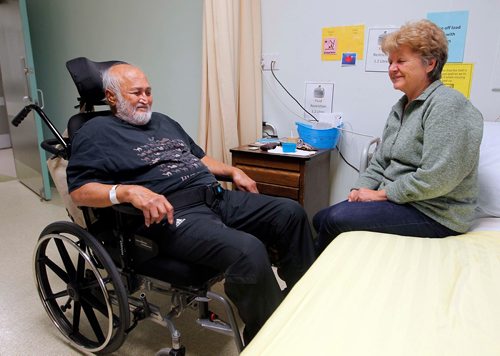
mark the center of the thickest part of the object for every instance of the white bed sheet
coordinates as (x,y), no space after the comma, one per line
(381,294)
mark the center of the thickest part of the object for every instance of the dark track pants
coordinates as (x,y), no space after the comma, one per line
(234,236)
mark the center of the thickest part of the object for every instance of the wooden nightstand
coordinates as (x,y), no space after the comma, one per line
(301,178)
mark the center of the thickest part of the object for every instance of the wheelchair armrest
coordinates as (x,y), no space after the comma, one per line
(52,145)
(366,154)
(224,179)
(127,209)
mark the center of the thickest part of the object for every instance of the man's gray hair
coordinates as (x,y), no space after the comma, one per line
(110,81)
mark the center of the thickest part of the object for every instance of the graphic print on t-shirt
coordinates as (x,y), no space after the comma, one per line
(170,156)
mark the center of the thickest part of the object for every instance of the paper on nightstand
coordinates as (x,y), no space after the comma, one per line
(279,150)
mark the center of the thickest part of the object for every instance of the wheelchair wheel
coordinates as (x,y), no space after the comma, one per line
(81,288)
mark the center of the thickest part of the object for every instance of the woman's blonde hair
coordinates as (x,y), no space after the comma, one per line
(423,37)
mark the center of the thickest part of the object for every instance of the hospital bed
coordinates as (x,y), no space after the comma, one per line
(380,294)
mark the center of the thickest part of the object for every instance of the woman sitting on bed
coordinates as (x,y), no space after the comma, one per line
(422,181)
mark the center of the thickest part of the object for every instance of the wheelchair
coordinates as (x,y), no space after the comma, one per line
(93,278)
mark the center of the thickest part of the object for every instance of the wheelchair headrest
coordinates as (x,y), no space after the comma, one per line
(87,76)
(76,121)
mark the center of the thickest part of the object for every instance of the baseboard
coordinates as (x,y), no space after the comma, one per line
(5,141)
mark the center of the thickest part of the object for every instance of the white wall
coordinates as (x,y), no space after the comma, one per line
(163,37)
(292,28)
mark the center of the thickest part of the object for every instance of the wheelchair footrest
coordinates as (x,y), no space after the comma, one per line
(217,325)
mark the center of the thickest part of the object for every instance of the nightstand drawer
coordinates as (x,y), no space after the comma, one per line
(272,176)
(278,190)
(275,162)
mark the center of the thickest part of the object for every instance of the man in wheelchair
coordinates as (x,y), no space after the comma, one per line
(146,159)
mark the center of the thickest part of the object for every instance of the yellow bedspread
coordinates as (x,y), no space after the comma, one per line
(381,294)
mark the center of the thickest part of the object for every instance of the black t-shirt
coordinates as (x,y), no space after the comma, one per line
(159,155)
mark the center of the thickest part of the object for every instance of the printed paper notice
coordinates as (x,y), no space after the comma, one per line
(376,60)
(458,76)
(342,39)
(454,25)
(319,98)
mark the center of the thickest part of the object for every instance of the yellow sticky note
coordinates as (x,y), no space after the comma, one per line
(342,39)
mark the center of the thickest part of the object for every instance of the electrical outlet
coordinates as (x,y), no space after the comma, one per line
(269,59)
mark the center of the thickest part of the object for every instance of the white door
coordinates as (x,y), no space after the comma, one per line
(19,85)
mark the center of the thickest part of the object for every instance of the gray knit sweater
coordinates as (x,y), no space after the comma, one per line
(429,156)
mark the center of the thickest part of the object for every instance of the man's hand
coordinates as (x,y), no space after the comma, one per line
(365,195)
(155,207)
(244,182)
(239,178)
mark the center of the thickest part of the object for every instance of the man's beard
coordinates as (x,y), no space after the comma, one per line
(128,113)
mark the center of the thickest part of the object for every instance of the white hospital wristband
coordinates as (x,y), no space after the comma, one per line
(112,195)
